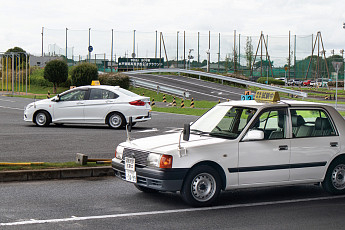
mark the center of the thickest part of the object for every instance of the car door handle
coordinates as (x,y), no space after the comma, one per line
(283,147)
(334,144)
(109,101)
(80,103)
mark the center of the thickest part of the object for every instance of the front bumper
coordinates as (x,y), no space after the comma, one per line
(160,179)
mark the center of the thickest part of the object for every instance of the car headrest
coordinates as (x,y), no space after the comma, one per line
(297,121)
(322,123)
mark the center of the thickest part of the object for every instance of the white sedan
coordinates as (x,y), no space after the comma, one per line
(102,104)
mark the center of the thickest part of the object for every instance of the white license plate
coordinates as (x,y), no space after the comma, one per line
(131,176)
(129,163)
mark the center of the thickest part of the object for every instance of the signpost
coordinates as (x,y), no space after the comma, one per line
(336,66)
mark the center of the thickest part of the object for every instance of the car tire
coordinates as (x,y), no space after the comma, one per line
(145,189)
(201,186)
(334,182)
(116,120)
(42,118)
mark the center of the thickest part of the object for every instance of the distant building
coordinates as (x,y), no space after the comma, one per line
(42,61)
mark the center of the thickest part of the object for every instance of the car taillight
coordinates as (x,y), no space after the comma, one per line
(166,161)
(137,103)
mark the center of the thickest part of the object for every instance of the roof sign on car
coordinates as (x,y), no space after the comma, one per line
(95,83)
(267,96)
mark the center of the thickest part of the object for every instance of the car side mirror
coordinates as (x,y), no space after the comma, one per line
(56,98)
(254,135)
(186,132)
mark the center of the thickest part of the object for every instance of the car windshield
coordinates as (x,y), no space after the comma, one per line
(223,121)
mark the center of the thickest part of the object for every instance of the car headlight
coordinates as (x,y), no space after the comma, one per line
(119,152)
(159,160)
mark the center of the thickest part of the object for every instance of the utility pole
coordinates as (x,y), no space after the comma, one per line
(112,50)
(66,46)
(42,40)
(177,50)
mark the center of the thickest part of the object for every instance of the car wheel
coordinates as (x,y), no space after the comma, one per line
(201,187)
(116,120)
(42,118)
(145,189)
(334,182)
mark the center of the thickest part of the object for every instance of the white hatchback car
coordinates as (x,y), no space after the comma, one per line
(240,144)
(102,104)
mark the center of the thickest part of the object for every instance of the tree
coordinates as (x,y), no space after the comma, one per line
(21,54)
(84,73)
(249,52)
(56,71)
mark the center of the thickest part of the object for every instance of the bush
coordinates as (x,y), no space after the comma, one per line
(270,81)
(115,79)
(84,74)
(56,71)
(332,84)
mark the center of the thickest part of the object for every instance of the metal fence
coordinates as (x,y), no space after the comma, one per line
(185,48)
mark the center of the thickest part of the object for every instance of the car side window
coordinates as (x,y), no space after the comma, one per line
(101,94)
(75,95)
(272,123)
(311,123)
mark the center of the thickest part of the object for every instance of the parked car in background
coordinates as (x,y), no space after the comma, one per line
(101,104)
(322,82)
(312,84)
(306,83)
(294,82)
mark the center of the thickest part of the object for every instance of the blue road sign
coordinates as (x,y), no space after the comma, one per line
(90,48)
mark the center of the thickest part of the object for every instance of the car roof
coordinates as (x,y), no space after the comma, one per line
(281,103)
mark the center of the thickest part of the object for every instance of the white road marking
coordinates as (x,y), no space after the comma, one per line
(5,107)
(148,130)
(6,100)
(163,212)
(188,90)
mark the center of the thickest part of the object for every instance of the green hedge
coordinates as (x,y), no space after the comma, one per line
(114,79)
(271,80)
(83,74)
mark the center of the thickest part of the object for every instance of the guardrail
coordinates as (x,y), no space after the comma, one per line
(221,77)
(160,88)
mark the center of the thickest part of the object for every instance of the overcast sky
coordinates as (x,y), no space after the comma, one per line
(22,20)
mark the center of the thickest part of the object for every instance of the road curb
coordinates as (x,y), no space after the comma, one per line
(48,174)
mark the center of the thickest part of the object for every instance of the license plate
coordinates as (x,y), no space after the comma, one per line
(130,163)
(131,176)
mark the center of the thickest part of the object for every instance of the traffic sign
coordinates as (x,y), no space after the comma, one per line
(90,48)
(337,65)
(246,97)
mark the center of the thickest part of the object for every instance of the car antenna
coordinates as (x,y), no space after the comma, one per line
(35,101)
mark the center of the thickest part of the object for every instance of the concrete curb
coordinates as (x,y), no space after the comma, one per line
(48,174)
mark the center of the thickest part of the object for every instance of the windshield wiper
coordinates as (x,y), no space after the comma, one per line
(198,132)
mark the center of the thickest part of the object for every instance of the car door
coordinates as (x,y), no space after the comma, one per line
(267,160)
(314,142)
(98,105)
(70,107)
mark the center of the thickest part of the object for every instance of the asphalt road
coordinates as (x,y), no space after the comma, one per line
(24,141)
(109,203)
(198,89)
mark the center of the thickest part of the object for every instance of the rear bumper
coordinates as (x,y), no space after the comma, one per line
(159,179)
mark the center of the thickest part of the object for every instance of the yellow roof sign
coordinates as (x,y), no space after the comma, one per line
(95,83)
(269,96)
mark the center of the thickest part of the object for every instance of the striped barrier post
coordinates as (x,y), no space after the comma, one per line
(164,98)
(192,103)
(182,103)
(153,102)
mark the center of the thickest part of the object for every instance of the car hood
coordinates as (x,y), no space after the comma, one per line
(168,143)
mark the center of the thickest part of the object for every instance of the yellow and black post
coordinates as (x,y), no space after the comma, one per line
(48,94)
(174,102)
(219,101)
(192,103)
(164,98)
(153,102)
(182,103)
